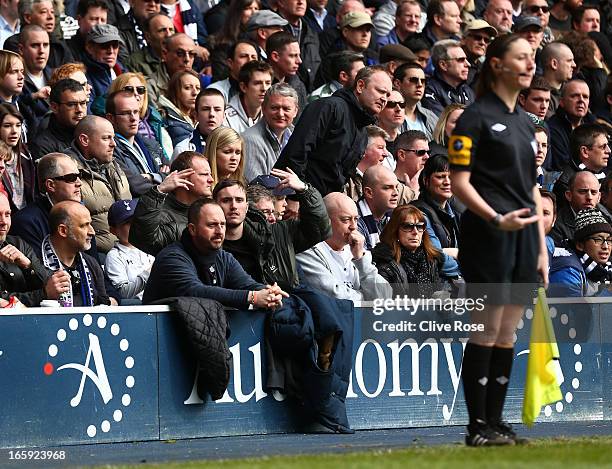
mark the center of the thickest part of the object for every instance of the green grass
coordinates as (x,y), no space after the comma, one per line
(557,453)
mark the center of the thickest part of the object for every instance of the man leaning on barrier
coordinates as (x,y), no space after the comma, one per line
(309,340)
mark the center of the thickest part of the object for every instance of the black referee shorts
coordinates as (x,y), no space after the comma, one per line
(499,264)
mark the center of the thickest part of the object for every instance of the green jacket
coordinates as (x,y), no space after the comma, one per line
(276,245)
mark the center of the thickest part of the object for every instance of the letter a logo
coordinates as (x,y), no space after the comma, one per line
(100,379)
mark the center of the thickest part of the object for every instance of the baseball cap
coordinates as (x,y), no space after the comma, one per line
(355,19)
(524,22)
(121,212)
(103,33)
(270,182)
(481,25)
(265,19)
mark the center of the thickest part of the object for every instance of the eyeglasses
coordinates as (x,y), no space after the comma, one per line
(416,152)
(416,80)
(480,37)
(420,227)
(69,178)
(128,114)
(392,104)
(181,53)
(137,89)
(461,60)
(267,212)
(598,240)
(75,104)
(533,9)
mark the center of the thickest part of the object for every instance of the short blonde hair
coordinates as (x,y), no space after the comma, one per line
(220,138)
(6,61)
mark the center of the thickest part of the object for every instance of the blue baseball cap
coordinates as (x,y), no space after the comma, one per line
(121,212)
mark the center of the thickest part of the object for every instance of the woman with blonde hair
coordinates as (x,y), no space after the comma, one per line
(444,128)
(151,122)
(405,256)
(225,153)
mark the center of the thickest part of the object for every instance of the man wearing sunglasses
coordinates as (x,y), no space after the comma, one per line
(584,268)
(478,35)
(409,79)
(448,84)
(541,10)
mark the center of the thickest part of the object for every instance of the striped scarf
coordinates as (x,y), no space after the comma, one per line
(52,262)
(595,271)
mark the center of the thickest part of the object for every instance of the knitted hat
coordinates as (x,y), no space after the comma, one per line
(588,222)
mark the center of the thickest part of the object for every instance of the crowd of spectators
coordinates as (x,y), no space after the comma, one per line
(318,126)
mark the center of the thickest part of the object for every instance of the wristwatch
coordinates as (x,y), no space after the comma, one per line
(496,220)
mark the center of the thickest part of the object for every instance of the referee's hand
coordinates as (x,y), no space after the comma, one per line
(517,219)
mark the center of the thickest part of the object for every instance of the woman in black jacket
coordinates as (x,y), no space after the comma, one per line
(405,256)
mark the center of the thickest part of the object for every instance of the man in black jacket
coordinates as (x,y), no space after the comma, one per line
(330,137)
(21,273)
(68,105)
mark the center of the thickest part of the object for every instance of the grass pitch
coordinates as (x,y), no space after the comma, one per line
(557,453)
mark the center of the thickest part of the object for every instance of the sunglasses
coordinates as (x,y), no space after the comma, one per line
(479,37)
(536,8)
(416,152)
(461,60)
(392,104)
(135,89)
(416,80)
(69,178)
(420,227)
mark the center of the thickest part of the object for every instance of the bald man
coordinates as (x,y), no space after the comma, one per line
(104,182)
(22,275)
(583,193)
(380,197)
(64,250)
(340,266)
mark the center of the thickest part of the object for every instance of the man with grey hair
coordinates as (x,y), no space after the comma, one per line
(265,140)
(41,13)
(448,84)
(330,137)
(340,266)
(498,14)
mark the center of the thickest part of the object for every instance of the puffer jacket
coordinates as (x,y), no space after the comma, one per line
(207,328)
(158,221)
(328,141)
(99,191)
(178,125)
(25,284)
(276,245)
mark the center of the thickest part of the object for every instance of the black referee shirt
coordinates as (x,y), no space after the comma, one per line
(498,147)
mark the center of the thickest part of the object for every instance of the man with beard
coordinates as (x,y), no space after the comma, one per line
(268,253)
(196,266)
(161,213)
(22,275)
(330,137)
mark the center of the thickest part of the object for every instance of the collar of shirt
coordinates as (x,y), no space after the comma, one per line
(4,26)
(320,17)
(297,30)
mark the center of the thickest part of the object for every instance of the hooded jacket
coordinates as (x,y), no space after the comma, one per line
(328,141)
(177,124)
(102,185)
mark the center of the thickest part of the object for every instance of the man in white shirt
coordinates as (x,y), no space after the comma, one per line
(341,266)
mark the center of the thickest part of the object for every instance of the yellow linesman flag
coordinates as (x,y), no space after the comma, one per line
(542,383)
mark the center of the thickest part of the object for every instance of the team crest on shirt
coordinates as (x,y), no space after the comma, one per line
(460,150)
(498,127)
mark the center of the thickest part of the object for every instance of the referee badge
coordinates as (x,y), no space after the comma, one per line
(460,150)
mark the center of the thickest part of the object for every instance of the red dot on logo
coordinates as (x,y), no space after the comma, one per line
(48,368)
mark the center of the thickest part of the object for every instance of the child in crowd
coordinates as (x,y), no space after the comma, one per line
(127,266)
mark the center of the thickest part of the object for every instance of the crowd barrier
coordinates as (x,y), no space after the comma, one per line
(93,375)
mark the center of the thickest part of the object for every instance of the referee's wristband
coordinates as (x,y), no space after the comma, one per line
(496,220)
